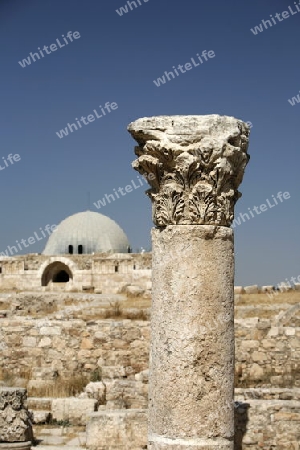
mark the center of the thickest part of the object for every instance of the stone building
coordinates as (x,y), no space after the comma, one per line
(86,251)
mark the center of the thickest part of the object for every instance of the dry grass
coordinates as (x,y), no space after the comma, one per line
(136,315)
(256,312)
(137,302)
(4,306)
(113,311)
(57,388)
(19,379)
(116,311)
(48,308)
(60,388)
(291,297)
(264,307)
(83,307)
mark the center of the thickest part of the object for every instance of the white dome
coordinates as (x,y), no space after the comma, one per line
(95,232)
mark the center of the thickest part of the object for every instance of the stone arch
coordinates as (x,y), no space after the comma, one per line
(57,272)
(67,261)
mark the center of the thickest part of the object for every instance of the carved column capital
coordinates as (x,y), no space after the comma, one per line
(194,165)
(15,419)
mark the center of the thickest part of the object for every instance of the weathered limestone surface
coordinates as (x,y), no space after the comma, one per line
(15,421)
(73,409)
(115,430)
(191,380)
(194,165)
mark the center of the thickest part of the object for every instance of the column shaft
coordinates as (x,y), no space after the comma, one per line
(192,346)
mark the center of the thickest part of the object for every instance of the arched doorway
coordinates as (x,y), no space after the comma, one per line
(61,277)
(57,272)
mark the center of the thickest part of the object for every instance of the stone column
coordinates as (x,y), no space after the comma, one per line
(194,165)
(15,423)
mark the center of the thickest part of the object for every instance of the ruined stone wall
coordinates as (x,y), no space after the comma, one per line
(44,350)
(267,418)
(266,355)
(120,349)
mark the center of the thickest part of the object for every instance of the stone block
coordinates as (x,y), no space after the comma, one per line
(95,390)
(134,291)
(29,341)
(256,372)
(45,342)
(258,356)
(142,376)
(50,331)
(273,331)
(119,429)
(126,394)
(148,285)
(16,446)
(289,331)
(86,344)
(267,288)
(112,372)
(239,290)
(268,343)
(40,403)
(88,288)
(41,417)
(248,344)
(73,409)
(251,289)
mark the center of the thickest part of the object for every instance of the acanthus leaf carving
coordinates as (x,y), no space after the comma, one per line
(194,176)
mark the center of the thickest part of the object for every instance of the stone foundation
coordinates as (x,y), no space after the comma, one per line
(115,430)
(16,446)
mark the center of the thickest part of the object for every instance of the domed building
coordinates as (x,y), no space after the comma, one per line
(87,233)
(86,251)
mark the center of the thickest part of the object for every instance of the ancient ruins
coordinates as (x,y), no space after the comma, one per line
(75,326)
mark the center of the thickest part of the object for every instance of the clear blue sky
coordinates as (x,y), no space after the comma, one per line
(116,59)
